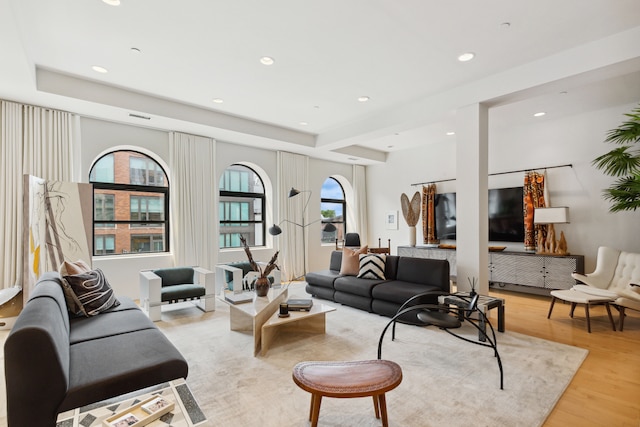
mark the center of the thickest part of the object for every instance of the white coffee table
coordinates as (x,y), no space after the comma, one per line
(298,321)
(251,316)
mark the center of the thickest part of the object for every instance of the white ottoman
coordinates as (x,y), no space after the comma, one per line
(577,297)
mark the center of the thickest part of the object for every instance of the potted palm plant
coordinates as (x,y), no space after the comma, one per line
(623,163)
(262,282)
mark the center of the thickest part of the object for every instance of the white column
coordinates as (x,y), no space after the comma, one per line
(472,220)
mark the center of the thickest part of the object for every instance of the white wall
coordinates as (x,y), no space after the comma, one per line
(575,140)
(123,270)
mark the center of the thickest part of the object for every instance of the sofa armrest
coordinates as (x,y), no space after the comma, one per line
(206,278)
(151,294)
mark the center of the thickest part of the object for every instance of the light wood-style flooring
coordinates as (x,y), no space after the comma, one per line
(606,388)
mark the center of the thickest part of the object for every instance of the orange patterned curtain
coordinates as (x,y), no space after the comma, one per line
(533,198)
(428,214)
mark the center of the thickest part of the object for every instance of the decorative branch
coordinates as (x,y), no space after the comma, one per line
(411,210)
(271,265)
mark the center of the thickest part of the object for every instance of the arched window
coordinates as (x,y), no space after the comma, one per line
(241,207)
(130,204)
(333,209)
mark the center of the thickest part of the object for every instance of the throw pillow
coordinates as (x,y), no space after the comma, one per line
(67,269)
(351,261)
(93,292)
(372,266)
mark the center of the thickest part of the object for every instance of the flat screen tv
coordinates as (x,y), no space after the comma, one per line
(506,215)
(506,221)
(445,210)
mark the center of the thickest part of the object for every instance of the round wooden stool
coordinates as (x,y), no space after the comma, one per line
(348,379)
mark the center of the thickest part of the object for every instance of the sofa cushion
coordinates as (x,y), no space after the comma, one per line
(322,278)
(93,291)
(434,272)
(350,265)
(110,323)
(353,285)
(372,266)
(320,292)
(148,358)
(175,275)
(398,292)
(181,292)
(357,301)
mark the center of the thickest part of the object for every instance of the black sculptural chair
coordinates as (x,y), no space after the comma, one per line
(447,317)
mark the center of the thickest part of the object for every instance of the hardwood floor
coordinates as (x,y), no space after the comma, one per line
(606,389)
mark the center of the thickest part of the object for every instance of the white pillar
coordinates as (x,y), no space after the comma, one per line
(472,221)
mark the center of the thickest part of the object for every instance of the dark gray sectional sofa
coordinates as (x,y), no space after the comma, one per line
(404,278)
(54,363)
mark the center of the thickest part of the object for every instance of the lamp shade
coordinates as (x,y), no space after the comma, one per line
(558,215)
(293,192)
(275,230)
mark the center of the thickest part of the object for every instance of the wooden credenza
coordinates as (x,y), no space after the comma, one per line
(518,271)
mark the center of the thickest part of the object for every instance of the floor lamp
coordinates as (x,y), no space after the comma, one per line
(276,230)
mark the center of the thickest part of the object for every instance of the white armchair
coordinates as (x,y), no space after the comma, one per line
(174,284)
(616,276)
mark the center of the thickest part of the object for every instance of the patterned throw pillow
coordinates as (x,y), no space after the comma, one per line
(350,259)
(67,269)
(372,266)
(93,292)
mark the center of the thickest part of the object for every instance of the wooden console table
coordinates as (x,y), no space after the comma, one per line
(517,271)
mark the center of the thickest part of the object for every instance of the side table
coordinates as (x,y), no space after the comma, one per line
(485,303)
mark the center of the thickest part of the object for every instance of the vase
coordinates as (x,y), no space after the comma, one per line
(262,286)
(412,236)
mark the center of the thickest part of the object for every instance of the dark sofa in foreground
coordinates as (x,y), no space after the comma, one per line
(54,363)
(404,278)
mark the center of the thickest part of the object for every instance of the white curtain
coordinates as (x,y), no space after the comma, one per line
(292,172)
(35,141)
(194,211)
(361,225)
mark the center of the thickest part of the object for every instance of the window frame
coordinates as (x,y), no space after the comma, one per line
(342,202)
(157,191)
(250,197)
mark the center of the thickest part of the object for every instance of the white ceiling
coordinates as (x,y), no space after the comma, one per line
(400,53)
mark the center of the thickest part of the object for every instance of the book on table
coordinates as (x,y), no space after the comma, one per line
(299,304)
(238,298)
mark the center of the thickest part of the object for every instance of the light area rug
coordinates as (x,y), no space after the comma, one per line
(446,381)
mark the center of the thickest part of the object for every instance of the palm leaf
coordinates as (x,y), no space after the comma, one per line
(620,161)
(623,163)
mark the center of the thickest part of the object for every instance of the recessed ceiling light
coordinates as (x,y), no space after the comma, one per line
(450,133)
(112,2)
(303,123)
(218,100)
(540,114)
(99,69)
(467,56)
(564,92)
(267,60)
(352,158)
(390,146)
(505,25)
(135,50)
(363,98)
